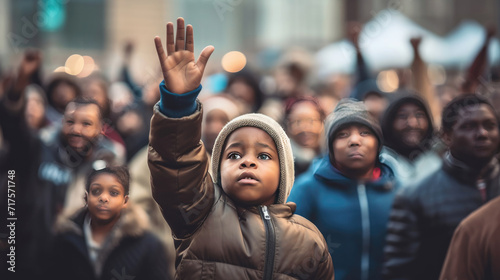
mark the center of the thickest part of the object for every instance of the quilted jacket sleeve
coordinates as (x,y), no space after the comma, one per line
(403,238)
(178,163)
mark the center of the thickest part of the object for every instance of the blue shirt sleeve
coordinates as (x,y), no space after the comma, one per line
(175,105)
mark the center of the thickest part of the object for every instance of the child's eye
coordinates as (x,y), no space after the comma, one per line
(365,132)
(95,192)
(420,115)
(114,193)
(70,122)
(234,156)
(86,124)
(342,134)
(264,157)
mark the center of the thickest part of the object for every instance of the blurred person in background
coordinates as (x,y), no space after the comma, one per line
(426,213)
(96,87)
(130,125)
(365,88)
(244,86)
(475,248)
(304,123)
(132,121)
(348,193)
(34,112)
(19,148)
(142,196)
(61,89)
(218,110)
(409,139)
(52,171)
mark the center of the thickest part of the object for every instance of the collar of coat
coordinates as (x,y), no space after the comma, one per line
(324,171)
(133,222)
(465,173)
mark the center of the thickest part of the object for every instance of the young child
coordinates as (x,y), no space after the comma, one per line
(348,193)
(235,225)
(108,239)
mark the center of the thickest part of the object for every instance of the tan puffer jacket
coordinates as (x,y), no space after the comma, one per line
(216,239)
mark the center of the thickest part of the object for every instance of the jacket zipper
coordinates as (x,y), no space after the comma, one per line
(365,224)
(481,186)
(270,243)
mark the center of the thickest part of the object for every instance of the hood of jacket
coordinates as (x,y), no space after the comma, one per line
(390,140)
(133,222)
(279,137)
(324,171)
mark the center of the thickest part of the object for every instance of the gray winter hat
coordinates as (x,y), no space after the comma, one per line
(280,139)
(350,111)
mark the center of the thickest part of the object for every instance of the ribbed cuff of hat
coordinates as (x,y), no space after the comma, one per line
(177,105)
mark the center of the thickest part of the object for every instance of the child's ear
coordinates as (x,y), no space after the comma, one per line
(125,203)
(86,198)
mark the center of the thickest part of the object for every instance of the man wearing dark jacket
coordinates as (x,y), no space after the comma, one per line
(425,215)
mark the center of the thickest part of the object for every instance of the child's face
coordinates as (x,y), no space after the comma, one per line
(106,198)
(355,148)
(250,170)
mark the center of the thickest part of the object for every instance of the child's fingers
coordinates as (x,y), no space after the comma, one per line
(170,38)
(204,56)
(189,38)
(179,42)
(161,53)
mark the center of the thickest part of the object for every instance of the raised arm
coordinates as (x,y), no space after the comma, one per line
(421,82)
(478,66)
(178,160)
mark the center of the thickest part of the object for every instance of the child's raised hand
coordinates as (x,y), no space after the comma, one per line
(181,73)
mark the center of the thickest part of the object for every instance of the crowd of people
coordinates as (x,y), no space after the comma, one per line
(163,181)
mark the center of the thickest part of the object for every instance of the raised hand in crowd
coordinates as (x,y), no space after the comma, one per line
(180,71)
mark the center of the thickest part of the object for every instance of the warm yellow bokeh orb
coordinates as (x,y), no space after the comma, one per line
(88,67)
(388,81)
(233,62)
(74,64)
(61,69)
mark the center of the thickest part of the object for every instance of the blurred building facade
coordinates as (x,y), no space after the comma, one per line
(100,28)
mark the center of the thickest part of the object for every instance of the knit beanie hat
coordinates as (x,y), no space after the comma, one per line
(280,139)
(349,111)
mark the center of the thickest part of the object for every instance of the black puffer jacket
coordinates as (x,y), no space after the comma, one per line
(424,217)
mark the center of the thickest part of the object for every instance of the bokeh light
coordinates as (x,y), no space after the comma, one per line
(437,74)
(61,69)
(233,62)
(388,81)
(74,64)
(88,66)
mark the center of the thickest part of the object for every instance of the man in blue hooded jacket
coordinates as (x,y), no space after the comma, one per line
(348,193)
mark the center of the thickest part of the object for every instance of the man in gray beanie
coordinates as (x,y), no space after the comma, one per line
(348,193)
(235,225)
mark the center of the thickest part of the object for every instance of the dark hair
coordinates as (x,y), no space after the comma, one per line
(120,172)
(59,79)
(252,80)
(83,101)
(103,83)
(451,110)
(292,102)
